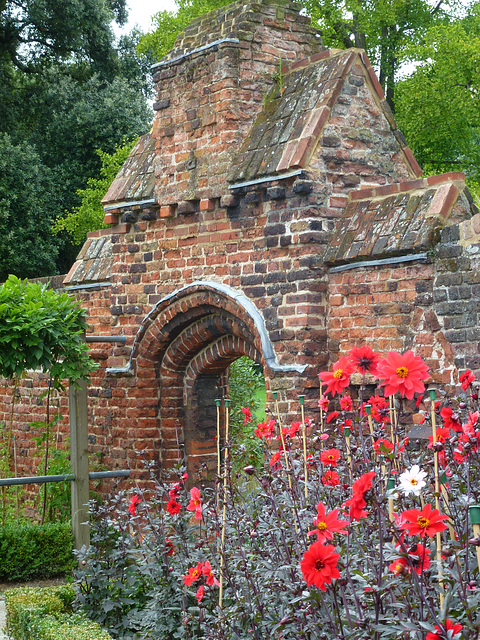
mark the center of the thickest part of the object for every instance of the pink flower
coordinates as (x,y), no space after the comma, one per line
(323,403)
(346,403)
(364,360)
(403,373)
(195,503)
(339,378)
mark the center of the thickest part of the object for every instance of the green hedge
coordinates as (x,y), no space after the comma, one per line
(33,551)
(45,614)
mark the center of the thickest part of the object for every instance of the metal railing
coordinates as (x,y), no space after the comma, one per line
(70,477)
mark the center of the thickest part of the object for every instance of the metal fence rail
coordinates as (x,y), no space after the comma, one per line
(70,477)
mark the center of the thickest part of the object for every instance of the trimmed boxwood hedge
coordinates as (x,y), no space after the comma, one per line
(34,551)
(45,614)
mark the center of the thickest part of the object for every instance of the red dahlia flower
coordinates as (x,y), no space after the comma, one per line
(248,415)
(403,373)
(265,429)
(200,593)
(426,522)
(380,409)
(450,419)
(364,360)
(210,578)
(357,501)
(195,503)
(330,456)
(327,524)
(466,379)
(319,565)
(323,403)
(442,631)
(173,507)
(194,573)
(133,504)
(442,434)
(339,378)
(174,490)
(419,560)
(170,547)
(275,460)
(331,416)
(330,478)
(346,403)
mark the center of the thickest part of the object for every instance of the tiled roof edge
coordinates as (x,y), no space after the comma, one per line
(400,187)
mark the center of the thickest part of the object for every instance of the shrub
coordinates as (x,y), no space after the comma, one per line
(358,539)
(45,614)
(27,602)
(32,551)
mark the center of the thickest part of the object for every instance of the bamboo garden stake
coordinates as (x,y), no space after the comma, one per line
(390,486)
(432,393)
(305,467)
(225,476)
(218,402)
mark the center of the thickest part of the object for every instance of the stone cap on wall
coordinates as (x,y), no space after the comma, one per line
(135,181)
(233,21)
(94,262)
(397,219)
(286,132)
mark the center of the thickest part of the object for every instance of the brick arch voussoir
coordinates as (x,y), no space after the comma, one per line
(181,310)
(199,338)
(219,355)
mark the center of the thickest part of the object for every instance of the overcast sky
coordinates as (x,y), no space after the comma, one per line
(141,11)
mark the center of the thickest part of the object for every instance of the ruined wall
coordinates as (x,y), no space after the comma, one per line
(225,244)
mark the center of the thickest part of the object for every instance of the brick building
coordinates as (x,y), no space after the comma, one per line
(275,211)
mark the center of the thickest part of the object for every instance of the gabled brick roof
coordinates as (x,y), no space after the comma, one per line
(136,179)
(396,219)
(94,262)
(287,130)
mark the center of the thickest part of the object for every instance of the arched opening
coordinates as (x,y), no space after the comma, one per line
(180,358)
(246,390)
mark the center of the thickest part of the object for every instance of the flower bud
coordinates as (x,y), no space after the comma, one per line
(475,542)
(438,446)
(249,470)
(447,552)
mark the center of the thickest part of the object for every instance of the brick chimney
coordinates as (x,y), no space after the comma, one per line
(211,87)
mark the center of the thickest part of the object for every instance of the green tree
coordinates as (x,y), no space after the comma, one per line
(34,33)
(438,106)
(26,244)
(89,215)
(62,106)
(384,28)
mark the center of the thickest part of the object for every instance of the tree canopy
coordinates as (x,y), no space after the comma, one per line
(69,89)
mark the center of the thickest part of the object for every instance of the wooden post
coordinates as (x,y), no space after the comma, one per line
(79,462)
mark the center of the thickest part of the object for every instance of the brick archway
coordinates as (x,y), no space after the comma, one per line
(186,345)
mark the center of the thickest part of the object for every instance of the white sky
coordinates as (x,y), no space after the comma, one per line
(141,11)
